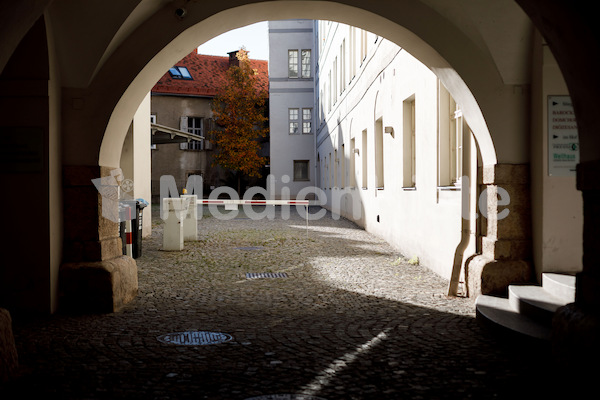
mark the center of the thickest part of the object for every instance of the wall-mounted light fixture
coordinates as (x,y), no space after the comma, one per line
(180,13)
(390,130)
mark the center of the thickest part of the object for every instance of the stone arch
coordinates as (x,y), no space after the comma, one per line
(424,43)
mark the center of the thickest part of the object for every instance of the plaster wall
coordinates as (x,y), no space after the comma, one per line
(286,93)
(558,205)
(423,221)
(169,159)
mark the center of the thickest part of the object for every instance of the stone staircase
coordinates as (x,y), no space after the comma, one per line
(528,310)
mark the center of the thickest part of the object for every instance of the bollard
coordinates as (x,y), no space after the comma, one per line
(175,210)
(190,223)
(125,217)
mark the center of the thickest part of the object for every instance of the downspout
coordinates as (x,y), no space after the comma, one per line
(467,205)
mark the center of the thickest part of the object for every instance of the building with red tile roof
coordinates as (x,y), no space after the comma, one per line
(181,100)
(206,75)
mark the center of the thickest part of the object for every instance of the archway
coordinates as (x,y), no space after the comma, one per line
(457,72)
(460,54)
(102,87)
(493,109)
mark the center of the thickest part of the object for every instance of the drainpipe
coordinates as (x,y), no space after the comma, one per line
(468,186)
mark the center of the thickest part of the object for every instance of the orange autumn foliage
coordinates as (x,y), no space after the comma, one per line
(238,109)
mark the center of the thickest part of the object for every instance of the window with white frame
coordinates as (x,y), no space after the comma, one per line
(301,171)
(305,64)
(343,66)
(343,167)
(307,121)
(193,125)
(330,172)
(294,122)
(336,161)
(352,54)
(353,155)
(329,92)
(379,164)
(452,126)
(299,63)
(409,160)
(363,156)
(335,80)
(292,63)
(363,46)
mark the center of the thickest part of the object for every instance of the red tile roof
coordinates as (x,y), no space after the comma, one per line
(208,73)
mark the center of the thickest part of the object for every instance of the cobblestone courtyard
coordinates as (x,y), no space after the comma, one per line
(353,319)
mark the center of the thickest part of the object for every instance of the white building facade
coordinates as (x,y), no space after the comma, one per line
(291,106)
(389,148)
(392,147)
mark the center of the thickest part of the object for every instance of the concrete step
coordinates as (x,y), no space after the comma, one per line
(529,308)
(498,313)
(561,286)
(534,302)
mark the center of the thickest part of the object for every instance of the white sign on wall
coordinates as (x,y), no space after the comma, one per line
(563,138)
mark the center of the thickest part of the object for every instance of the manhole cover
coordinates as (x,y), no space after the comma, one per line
(195,338)
(285,397)
(260,275)
(250,248)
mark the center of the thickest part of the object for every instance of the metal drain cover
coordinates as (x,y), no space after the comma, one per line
(195,338)
(260,275)
(285,397)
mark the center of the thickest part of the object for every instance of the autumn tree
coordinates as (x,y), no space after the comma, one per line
(239,111)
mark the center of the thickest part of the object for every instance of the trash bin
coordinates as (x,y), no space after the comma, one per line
(136,226)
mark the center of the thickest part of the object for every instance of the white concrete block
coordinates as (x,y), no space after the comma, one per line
(175,210)
(190,222)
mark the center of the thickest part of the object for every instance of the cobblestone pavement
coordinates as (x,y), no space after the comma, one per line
(353,319)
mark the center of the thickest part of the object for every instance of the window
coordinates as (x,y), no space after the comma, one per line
(306,64)
(379,154)
(321,110)
(408,143)
(152,121)
(363,155)
(352,52)
(363,46)
(301,170)
(343,66)
(325,173)
(292,63)
(304,69)
(194,125)
(318,171)
(180,73)
(335,80)
(336,161)
(353,156)
(307,121)
(329,92)
(330,172)
(293,121)
(343,167)
(450,139)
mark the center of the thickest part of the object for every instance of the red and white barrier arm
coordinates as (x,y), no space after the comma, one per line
(259,203)
(256,202)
